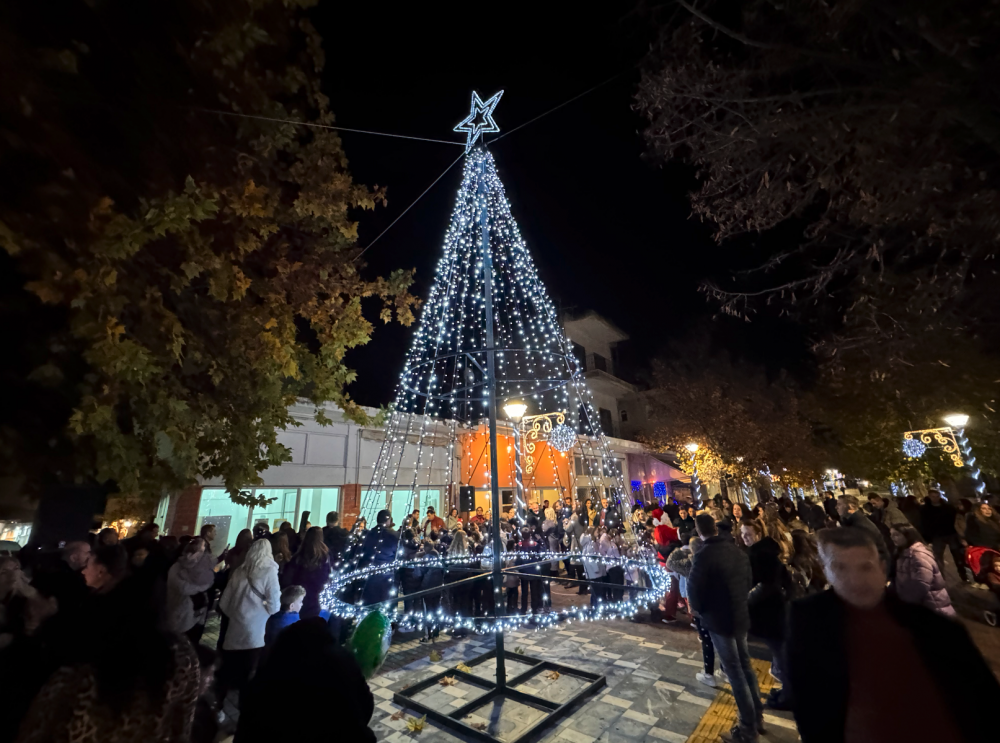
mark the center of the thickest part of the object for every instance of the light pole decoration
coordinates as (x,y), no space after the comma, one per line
(958,421)
(951,439)
(515,411)
(695,489)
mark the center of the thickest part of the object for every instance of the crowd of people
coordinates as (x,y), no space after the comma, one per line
(107,636)
(854,588)
(108,630)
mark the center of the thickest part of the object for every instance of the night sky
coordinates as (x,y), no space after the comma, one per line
(609,231)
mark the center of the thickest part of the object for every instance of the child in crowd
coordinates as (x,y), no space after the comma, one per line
(291,604)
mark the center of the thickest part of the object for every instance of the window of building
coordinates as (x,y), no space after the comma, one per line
(161,512)
(319,502)
(283,507)
(229,518)
(615,468)
(581,355)
(624,416)
(600,362)
(430,497)
(584,425)
(578,464)
(606,425)
(374,501)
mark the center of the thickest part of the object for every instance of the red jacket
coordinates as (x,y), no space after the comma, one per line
(664,535)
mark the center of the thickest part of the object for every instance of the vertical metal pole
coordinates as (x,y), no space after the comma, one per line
(499,606)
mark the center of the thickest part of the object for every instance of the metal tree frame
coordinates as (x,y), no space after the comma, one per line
(502,687)
(491,691)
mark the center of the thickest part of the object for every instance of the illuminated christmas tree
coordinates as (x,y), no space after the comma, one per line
(445,378)
(488,340)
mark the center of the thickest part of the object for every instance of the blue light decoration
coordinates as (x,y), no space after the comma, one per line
(475,129)
(562,438)
(636,486)
(914,448)
(660,490)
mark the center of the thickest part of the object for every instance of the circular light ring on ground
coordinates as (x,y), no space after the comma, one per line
(634,599)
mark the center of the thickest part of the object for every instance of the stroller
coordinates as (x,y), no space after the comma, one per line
(980,561)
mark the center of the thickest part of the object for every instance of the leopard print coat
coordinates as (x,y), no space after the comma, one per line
(67,709)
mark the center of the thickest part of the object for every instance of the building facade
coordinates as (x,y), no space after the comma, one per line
(332,466)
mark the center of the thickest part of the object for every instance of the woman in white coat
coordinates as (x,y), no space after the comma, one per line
(592,568)
(187,603)
(251,596)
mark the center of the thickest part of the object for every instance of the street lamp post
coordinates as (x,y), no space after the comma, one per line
(695,494)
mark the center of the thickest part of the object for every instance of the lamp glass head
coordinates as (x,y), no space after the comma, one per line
(956,420)
(692,447)
(515,409)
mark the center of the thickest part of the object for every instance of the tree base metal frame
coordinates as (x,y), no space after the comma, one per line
(554,711)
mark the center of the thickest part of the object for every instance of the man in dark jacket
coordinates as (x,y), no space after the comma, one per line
(380,547)
(830,506)
(863,665)
(851,515)
(937,524)
(335,538)
(812,514)
(717,591)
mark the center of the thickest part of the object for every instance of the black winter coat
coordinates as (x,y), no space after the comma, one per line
(982,532)
(719,584)
(335,539)
(818,675)
(937,521)
(771,588)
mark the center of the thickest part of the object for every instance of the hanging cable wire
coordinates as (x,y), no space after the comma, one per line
(411,205)
(556,108)
(325,126)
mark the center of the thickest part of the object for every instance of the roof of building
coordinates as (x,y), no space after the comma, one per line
(591,316)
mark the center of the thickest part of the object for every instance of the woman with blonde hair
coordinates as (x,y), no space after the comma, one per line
(775,528)
(251,597)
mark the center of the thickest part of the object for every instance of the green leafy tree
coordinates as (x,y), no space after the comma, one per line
(194,273)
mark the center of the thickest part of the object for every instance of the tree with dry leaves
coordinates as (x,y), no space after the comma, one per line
(861,142)
(743,423)
(188,266)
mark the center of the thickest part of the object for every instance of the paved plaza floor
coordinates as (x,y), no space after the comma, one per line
(651,695)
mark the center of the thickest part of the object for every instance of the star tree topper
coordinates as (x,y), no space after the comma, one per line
(472,125)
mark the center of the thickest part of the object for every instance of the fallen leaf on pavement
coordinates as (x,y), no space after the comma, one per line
(416,725)
(463,667)
(448,681)
(554,675)
(435,656)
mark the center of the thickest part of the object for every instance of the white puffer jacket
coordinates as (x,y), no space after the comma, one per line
(247,611)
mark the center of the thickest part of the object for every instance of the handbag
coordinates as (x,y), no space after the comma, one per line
(257,593)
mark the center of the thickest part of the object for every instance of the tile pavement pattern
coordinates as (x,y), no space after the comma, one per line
(652,693)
